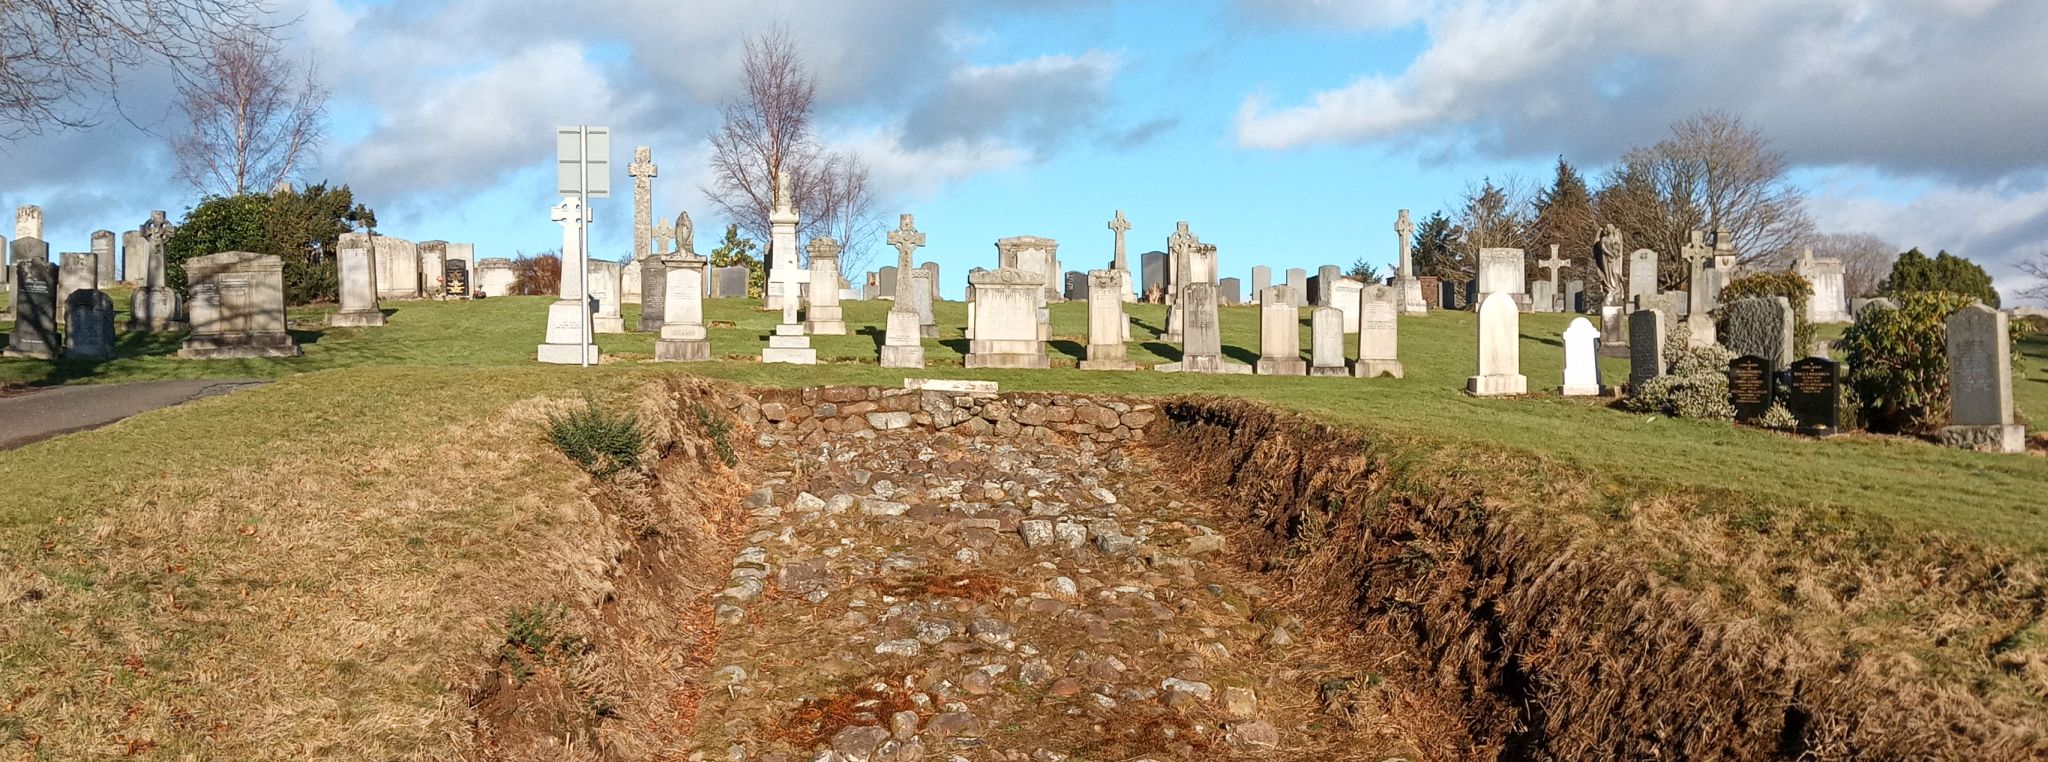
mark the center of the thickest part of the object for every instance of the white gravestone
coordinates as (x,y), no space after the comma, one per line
(823,316)
(605,285)
(1500,349)
(1326,334)
(1280,334)
(1581,360)
(496,276)
(789,344)
(1006,323)
(683,334)
(356,264)
(398,267)
(237,307)
(564,344)
(1642,274)
(903,344)
(1106,321)
(76,271)
(103,255)
(1828,304)
(1379,338)
(1501,272)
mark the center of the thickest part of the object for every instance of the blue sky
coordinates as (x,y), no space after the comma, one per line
(1287,132)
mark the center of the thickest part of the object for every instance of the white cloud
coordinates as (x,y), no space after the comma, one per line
(1995,225)
(1042,102)
(924,169)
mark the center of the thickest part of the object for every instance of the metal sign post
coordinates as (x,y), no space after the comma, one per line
(583,166)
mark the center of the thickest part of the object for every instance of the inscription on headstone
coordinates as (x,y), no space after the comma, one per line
(1813,392)
(1751,387)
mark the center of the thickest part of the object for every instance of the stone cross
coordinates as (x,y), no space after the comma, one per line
(664,234)
(1696,254)
(789,301)
(643,171)
(1121,226)
(906,238)
(1553,264)
(1406,230)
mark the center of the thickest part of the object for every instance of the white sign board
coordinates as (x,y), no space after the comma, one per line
(583,154)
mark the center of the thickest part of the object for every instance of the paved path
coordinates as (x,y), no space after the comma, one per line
(39,415)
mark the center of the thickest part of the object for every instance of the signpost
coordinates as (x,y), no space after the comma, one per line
(583,166)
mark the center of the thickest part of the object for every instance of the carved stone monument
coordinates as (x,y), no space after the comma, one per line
(1581,360)
(1280,334)
(903,345)
(564,344)
(1980,382)
(1203,350)
(684,337)
(1500,348)
(356,264)
(1379,338)
(823,316)
(1006,323)
(89,326)
(35,310)
(237,307)
(1106,321)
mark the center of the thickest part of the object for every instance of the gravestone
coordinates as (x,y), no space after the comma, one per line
(784,274)
(1326,339)
(1379,338)
(1106,321)
(433,269)
(35,309)
(1033,254)
(606,280)
(789,344)
(564,342)
(1575,297)
(1262,279)
(1548,299)
(1752,387)
(496,276)
(1413,292)
(1152,273)
(903,341)
(1645,347)
(355,264)
(931,278)
(1500,348)
(1541,298)
(76,271)
(154,306)
(1432,293)
(455,279)
(1760,327)
(1501,271)
(823,316)
(1828,304)
(466,254)
(237,307)
(1006,322)
(1813,393)
(653,288)
(103,256)
(1203,350)
(1120,262)
(1449,293)
(885,278)
(1297,279)
(28,221)
(1980,382)
(731,282)
(1581,358)
(398,267)
(1320,285)
(684,337)
(1858,305)
(1075,287)
(1280,334)
(89,326)
(1642,274)
(134,257)
(1228,289)
(1344,296)
(921,302)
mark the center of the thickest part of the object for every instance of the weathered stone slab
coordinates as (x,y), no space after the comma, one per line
(355,262)
(1980,382)
(1645,347)
(1502,271)
(1203,350)
(1006,332)
(237,307)
(684,335)
(1760,327)
(35,309)
(1500,348)
(1280,333)
(89,326)
(1106,322)
(1379,338)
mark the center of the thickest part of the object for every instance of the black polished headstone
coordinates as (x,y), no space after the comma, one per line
(1751,387)
(1813,392)
(455,278)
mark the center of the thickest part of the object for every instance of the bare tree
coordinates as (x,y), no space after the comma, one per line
(1866,259)
(251,115)
(55,54)
(1490,216)
(1714,172)
(2035,266)
(768,130)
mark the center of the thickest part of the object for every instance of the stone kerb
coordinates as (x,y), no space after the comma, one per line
(854,409)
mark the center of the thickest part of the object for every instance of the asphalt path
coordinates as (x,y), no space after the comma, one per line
(45,413)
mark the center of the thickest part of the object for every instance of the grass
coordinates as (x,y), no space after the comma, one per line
(1987,496)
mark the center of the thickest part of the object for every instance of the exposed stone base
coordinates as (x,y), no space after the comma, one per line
(1412,302)
(234,347)
(1206,364)
(1328,370)
(605,324)
(1497,386)
(903,356)
(1281,366)
(1579,391)
(357,319)
(928,331)
(1993,438)
(29,354)
(565,354)
(826,327)
(805,356)
(1378,368)
(1116,364)
(1007,360)
(682,350)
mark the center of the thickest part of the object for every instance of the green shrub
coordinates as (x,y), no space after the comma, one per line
(301,228)
(1915,273)
(720,432)
(1793,286)
(1695,383)
(1898,361)
(534,635)
(602,443)
(1778,417)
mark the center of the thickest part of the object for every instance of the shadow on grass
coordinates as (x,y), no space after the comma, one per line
(1241,354)
(1552,341)
(960,345)
(1068,347)
(1168,352)
(880,335)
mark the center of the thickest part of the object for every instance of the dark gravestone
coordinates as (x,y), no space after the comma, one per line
(1228,289)
(730,282)
(885,278)
(1751,387)
(1760,327)
(455,279)
(653,294)
(89,325)
(35,308)
(1152,267)
(1432,292)
(1645,347)
(1813,392)
(1076,287)
(1575,296)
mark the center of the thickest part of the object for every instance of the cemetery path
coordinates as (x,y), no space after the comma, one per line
(45,413)
(919,595)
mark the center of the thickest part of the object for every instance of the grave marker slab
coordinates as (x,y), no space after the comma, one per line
(1645,347)
(606,281)
(1581,358)
(1203,350)
(35,310)
(355,262)
(1752,387)
(89,326)
(1500,349)
(1813,392)
(684,337)
(824,316)
(76,271)
(1297,279)
(1760,327)
(1229,289)
(1501,271)
(237,307)
(1006,323)
(903,341)
(103,256)
(1379,315)
(1106,321)
(496,276)
(1280,334)
(1642,274)
(1980,382)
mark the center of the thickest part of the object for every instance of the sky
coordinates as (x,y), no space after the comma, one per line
(1287,132)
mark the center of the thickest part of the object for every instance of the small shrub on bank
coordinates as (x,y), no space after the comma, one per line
(1695,384)
(601,443)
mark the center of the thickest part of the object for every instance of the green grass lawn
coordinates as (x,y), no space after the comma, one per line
(1993,497)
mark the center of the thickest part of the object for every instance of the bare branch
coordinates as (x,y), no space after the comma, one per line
(55,54)
(249,121)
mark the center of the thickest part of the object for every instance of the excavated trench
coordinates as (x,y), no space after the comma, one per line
(874,574)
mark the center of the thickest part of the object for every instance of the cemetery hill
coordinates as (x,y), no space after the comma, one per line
(759,440)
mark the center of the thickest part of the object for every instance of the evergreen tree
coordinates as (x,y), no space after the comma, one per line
(1916,273)
(1565,218)
(734,250)
(1435,249)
